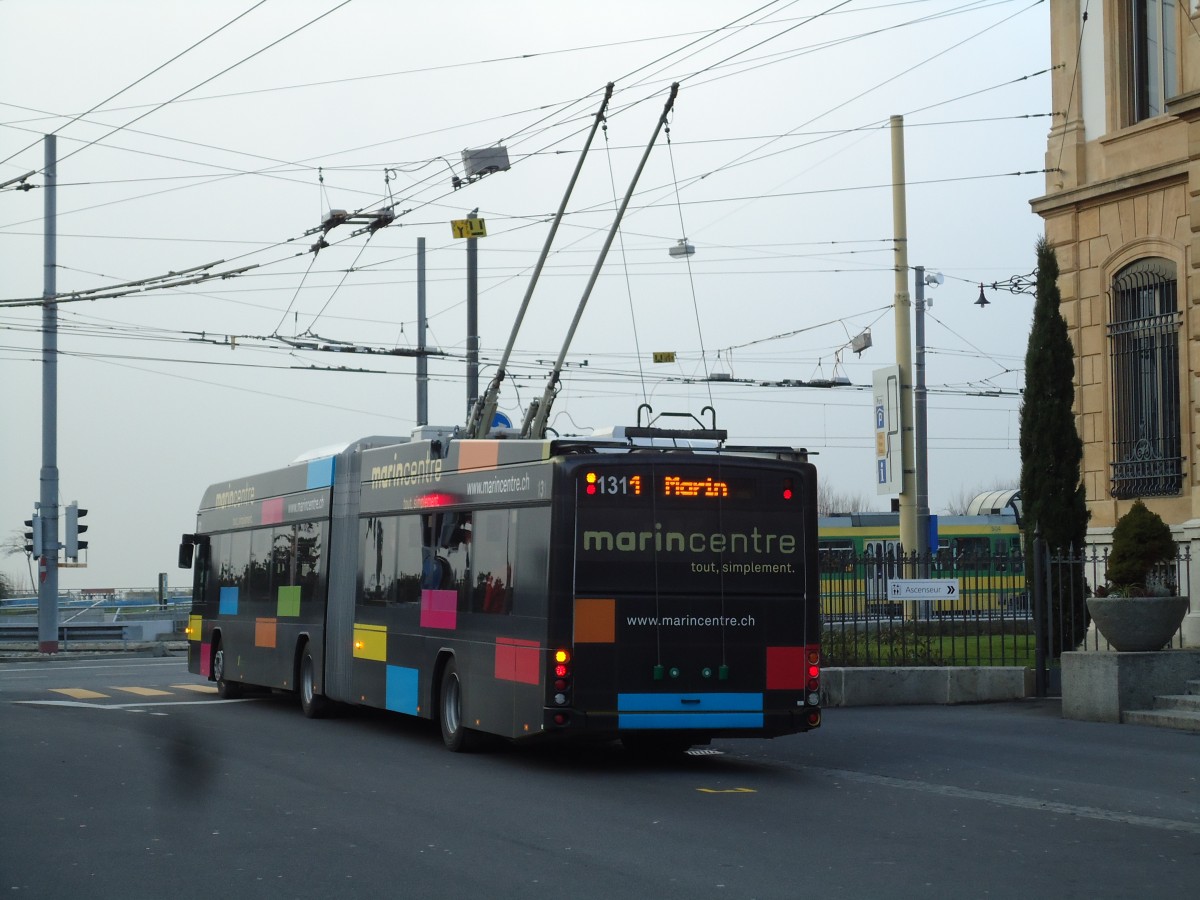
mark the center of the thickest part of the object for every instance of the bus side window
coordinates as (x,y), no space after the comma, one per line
(409,556)
(258,568)
(446,553)
(379,559)
(309,552)
(492,560)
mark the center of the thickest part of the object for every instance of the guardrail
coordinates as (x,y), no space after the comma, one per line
(86,631)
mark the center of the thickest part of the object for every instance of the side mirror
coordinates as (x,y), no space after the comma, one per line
(186,548)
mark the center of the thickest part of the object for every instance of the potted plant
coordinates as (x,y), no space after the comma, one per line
(1139,607)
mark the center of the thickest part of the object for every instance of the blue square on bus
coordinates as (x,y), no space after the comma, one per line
(320,473)
(229,601)
(402,690)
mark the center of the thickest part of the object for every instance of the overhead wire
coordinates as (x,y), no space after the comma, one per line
(152,72)
(365,245)
(759,197)
(223,71)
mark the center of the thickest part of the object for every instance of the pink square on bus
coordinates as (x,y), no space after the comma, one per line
(518,660)
(272,511)
(439,609)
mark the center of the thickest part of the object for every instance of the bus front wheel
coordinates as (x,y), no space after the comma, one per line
(456,736)
(227,690)
(315,706)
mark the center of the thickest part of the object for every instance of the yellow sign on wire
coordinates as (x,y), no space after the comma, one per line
(468,228)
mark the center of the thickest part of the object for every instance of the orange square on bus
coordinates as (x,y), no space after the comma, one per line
(264,632)
(595,621)
(478,454)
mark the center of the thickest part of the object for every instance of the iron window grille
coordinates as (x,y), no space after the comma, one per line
(1143,333)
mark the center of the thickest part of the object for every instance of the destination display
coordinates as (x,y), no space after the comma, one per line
(635,483)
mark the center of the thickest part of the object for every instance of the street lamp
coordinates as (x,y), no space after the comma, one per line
(1014,284)
(920,415)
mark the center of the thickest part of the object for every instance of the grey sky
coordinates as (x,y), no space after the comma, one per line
(777,170)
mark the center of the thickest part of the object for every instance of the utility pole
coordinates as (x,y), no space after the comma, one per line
(48,511)
(903,305)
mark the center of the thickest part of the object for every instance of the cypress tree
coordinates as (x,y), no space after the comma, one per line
(1052,495)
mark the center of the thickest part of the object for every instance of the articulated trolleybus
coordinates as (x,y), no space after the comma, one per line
(652,585)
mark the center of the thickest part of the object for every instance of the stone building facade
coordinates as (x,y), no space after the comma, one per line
(1122,210)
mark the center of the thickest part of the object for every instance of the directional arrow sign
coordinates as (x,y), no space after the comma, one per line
(922,588)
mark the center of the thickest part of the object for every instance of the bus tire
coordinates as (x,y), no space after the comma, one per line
(226,690)
(456,736)
(314,705)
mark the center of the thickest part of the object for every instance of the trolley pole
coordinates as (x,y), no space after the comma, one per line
(48,513)
(422,359)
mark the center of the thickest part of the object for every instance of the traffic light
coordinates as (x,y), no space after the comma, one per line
(33,535)
(75,529)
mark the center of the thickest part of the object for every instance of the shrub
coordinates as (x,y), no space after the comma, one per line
(1141,542)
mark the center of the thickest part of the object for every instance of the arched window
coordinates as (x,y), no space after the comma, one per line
(1144,341)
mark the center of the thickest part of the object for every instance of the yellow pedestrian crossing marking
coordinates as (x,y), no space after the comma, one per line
(80,693)
(85,694)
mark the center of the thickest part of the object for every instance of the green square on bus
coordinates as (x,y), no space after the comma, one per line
(288,601)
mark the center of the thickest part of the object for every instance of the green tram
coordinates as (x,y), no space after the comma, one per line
(642,586)
(858,554)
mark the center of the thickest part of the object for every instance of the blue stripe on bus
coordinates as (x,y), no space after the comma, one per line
(229,601)
(401,690)
(320,472)
(701,720)
(716,702)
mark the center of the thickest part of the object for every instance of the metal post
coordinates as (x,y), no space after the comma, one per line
(920,421)
(48,582)
(422,359)
(908,520)
(1034,566)
(472,318)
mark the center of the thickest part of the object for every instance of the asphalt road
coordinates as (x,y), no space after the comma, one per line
(156,788)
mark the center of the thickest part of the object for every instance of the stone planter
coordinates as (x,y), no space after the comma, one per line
(1137,624)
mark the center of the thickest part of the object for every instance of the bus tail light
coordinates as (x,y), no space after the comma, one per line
(561,680)
(812,663)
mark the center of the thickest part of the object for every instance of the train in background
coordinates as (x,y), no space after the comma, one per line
(982,550)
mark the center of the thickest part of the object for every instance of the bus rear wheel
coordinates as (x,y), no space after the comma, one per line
(314,705)
(456,736)
(227,690)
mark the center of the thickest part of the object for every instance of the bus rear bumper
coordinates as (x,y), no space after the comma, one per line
(702,725)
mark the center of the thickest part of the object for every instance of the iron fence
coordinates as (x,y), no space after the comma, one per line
(976,610)
(1062,581)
